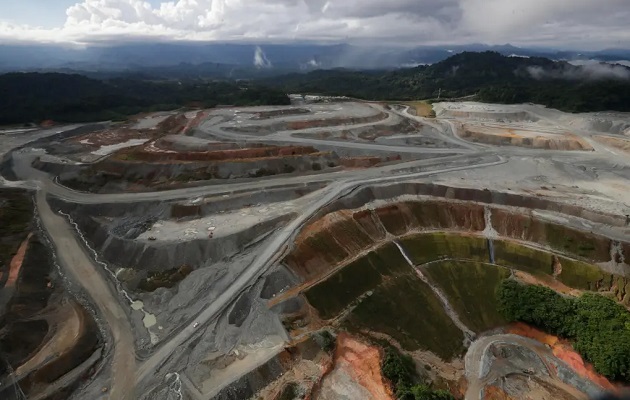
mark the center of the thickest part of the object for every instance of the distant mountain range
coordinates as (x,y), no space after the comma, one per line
(245,61)
(488,76)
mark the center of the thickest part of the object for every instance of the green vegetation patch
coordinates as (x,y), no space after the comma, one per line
(523,258)
(470,288)
(580,275)
(489,76)
(290,391)
(36,97)
(406,309)
(401,371)
(165,279)
(346,285)
(16,214)
(599,327)
(350,232)
(427,247)
(325,244)
(577,243)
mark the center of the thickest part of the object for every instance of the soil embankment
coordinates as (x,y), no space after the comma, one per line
(565,352)
(356,373)
(507,137)
(342,235)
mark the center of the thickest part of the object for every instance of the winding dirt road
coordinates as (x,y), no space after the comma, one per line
(74,260)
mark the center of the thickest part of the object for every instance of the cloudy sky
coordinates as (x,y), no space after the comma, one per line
(585,24)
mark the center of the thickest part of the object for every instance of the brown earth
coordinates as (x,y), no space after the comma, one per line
(507,137)
(358,367)
(563,350)
(616,142)
(360,162)
(531,388)
(495,393)
(320,123)
(547,282)
(44,334)
(528,228)
(373,132)
(144,154)
(16,263)
(174,124)
(112,136)
(195,122)
(340,235)
(366,161)
(421,108)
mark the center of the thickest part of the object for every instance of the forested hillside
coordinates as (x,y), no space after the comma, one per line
(490,76)
(34,97)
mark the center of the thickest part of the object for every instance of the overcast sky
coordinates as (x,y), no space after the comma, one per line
(584,24)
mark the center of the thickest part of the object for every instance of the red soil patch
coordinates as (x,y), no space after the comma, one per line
(495,393)
(360,162)
(563,351)
(547,282)
(174,124)
(363,363)
(16,262)
(508,137)
(194,123)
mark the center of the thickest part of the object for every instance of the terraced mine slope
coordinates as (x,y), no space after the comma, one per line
(325,250)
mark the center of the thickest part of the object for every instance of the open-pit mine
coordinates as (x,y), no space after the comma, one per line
(325,250)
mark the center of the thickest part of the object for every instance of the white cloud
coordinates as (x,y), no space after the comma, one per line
(260,59)
(575,23)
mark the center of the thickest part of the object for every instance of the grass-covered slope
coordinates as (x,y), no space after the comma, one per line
(470,288)
(406,309)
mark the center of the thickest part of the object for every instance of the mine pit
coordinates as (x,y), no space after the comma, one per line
(309,251)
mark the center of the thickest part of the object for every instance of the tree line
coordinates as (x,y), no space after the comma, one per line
(35,97)
(490,76)
(598,327)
